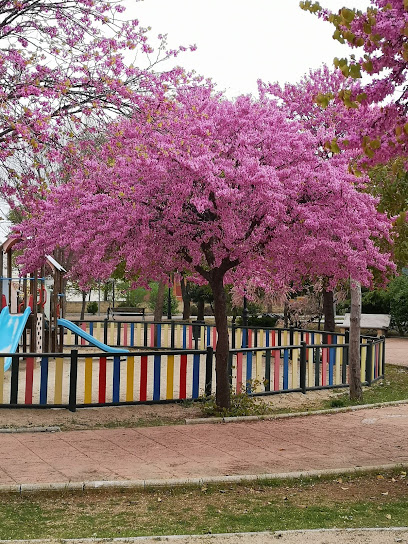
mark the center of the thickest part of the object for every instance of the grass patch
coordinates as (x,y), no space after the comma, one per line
(393,387)
(374,500)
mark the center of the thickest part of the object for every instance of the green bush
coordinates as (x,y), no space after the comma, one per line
(92,307)
(398,293)
(260,321)
(376,302)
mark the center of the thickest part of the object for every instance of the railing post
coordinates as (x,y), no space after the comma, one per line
(15,363)
(208,371)
(383,355)
(172,334)
(73,379)
(369,362)
(303,367)
(105,331)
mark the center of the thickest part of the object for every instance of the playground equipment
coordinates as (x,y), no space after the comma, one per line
(88,337)
(42,292)
(11,330)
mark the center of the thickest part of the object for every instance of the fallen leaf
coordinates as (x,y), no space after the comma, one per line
(388,516)
(385,493)
(344,488)
(380,477)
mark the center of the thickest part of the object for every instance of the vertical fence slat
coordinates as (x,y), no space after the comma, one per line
(285,369)
(143,378)
(116,378)
(183,377)
(88,381)
(59,367)
(102,380)
(156,376)
(276,369)
(170,377)
(249,371)
(130,376)
(196,375)
(28,398)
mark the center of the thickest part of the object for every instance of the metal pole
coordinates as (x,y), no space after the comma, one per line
(169,300)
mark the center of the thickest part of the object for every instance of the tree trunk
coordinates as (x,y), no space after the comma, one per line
(200,310)
(158,309)
(222,396)
(82,316)
(286,314)
(186,299)
(356,392)
(328,310)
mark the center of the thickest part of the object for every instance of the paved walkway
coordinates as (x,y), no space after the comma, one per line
(344,440)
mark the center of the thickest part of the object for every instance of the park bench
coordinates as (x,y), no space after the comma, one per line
(126,311)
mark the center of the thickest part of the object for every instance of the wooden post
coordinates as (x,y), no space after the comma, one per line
(356,392)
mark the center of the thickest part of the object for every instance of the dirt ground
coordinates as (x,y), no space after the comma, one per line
(153,414)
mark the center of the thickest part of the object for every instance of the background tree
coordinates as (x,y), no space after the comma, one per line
(62,66)
(381,33)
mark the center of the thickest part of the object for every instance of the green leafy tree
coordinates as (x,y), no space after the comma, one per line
(154,291)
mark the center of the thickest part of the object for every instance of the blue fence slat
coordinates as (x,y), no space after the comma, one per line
(44,380)
(132,334)
(158,333)
(91,328)
(196,375)
(285,369)
(116,378)
(156,377)
(184,337)
(248,371)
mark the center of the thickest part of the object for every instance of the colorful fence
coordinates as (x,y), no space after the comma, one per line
(197,336)
(74,380)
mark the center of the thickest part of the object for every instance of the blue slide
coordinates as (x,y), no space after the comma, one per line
(89,338)
(11,329)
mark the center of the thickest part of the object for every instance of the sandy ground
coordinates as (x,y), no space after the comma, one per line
(354,536)
(154,414)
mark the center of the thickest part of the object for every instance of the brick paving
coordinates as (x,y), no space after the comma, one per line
(343,440)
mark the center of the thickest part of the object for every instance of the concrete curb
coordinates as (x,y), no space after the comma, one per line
(175,538)
(30,430)
(268,417)
(239,478)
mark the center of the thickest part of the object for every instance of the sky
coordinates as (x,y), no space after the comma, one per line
(240,41)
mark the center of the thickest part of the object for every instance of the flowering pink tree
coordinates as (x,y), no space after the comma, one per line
(381,32)
(62,66)
(226,191)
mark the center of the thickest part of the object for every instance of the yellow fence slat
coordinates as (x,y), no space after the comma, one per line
(139,335)
(170,377)
(130,374)
(310,369)
(88,380)
(111,334)
(258,371)
(202,338)
(59,367)
(295,368)
(363,360)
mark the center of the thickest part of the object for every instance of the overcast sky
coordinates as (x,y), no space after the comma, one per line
(240,41)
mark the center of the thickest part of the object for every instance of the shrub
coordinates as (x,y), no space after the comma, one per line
(92,307)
